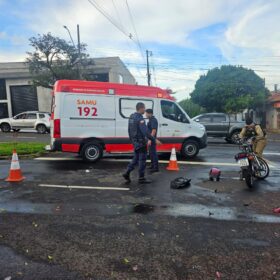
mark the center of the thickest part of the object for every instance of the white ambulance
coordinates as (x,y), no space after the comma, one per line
(90,118)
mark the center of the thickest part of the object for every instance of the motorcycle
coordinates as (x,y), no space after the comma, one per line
(252,166)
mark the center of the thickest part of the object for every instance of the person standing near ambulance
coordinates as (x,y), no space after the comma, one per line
(153,129)
(138,134)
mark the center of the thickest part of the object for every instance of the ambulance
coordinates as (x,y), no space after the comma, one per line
(91,118)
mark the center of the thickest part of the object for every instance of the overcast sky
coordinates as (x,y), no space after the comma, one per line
(186,37)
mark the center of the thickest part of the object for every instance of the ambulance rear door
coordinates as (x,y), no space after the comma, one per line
(88,115)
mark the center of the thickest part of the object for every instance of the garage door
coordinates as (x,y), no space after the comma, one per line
(24,98)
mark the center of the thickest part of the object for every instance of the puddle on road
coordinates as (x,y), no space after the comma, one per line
(251,242)
(219,213)
(143,208)
(178,210)
(26,207)
(182,210)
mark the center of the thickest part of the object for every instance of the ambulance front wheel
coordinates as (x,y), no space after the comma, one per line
(190,149)
(92,152)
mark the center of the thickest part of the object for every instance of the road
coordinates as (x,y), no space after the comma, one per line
(25,136)
(74,220)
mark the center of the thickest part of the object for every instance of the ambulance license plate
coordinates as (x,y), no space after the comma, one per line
(243,162)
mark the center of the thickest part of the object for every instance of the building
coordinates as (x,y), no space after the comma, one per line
(17,94)
(273,112)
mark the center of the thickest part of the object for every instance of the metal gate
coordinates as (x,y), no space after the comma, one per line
(24,98)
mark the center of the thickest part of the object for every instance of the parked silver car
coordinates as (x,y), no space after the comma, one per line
(27,120)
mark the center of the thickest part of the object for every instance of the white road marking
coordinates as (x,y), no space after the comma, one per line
(272,154)
(128,160)
(182,162)
(57,158)
(83,187)
(160,161)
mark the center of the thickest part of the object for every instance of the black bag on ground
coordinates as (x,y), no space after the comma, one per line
(180,183)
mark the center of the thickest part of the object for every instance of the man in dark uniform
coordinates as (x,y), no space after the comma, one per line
(152,128)
(138,134)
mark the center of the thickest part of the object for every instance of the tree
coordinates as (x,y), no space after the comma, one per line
(191,108)
(229,89)
(53,59)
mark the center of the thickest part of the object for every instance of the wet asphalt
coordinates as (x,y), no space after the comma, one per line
(210,230)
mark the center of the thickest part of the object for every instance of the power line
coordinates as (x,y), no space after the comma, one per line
(117,13)
(105,14)
(134,28)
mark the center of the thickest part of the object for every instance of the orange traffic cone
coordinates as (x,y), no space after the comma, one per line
(173,165)
(15,174)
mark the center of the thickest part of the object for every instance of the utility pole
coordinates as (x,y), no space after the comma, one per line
(79,43)
(148,67)
(79,50)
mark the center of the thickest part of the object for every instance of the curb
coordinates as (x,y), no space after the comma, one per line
(25,156)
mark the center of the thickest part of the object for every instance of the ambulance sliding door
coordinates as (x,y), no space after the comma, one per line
(88,115)
(125,107)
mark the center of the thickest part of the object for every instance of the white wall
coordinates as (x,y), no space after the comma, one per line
(44,99)
(271,117)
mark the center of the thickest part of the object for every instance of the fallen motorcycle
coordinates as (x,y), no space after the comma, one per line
(252,166)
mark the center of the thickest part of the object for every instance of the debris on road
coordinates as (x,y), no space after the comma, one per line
(34,224)
(276,210)
(218,275)
(126,261)
(214,174)
(135,268)
(180,183)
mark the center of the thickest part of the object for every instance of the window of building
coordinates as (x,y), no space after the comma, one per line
(3,110)
(23,98)
(170,110)
(100,77)
(3,93)
(128,106)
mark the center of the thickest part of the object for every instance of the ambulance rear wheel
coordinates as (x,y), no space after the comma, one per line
(92,152)
(190,149)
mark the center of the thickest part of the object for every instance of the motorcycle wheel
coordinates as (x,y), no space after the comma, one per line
(249,178)
(264,173)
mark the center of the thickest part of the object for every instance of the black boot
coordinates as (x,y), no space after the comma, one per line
(154,170)
(143,180)
(126,177)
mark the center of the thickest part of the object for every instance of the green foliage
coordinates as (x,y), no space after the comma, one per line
(229,89)
(191,108)
(6,149)
(54,59)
